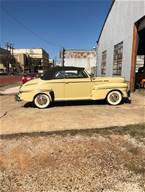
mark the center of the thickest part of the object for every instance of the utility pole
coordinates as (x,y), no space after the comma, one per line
(7,59)
(10,47)
(55,61)
(12,57)
(63,52)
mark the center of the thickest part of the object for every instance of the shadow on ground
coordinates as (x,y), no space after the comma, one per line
(70,103)
(76,103)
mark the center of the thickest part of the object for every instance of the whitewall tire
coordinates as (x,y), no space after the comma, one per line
(42,101)
(114,98)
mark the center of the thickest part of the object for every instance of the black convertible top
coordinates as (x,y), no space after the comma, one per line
(60,68)
(51,71)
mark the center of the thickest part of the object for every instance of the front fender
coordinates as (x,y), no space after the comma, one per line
(101,91)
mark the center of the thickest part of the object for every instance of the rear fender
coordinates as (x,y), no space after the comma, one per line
(30,95)
(48,93)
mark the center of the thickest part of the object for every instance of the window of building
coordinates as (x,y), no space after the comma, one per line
(103,64)
(117,61)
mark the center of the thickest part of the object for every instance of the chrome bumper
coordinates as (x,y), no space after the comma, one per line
(128,93)
(128,99)
(17,97)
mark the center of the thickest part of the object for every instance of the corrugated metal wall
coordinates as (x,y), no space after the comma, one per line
(118,28)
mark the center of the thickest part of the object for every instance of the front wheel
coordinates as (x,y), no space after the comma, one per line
(114,98)
(42,101)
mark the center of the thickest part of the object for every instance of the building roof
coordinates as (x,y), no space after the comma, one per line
(105,20)
(30,48)
(80,50)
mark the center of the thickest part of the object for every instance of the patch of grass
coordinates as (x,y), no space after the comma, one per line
(137,131)
(133,130)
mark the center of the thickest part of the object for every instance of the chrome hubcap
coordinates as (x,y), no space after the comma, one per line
(41,99)
(114,97)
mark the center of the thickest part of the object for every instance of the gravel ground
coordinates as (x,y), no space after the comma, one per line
(99,160)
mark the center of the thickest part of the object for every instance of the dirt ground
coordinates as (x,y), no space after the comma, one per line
(68,147)
(24,117)
(99,160)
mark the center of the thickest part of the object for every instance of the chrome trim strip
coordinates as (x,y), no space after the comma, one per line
(66,82)
(110,87)
(40,90)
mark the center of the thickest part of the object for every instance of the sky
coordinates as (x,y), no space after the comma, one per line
(52,24)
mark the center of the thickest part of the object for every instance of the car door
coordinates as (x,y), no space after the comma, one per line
(77,85)
(56,84)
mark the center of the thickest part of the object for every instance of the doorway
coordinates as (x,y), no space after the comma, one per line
(137,76)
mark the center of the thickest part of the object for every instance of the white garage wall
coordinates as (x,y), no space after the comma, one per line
(87,63)
(119,27)
(80,58)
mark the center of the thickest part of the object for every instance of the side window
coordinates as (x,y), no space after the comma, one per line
(82,74)
(60,75)
(71,74)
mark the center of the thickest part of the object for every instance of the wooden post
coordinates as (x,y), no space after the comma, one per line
(133,60)
(62,55)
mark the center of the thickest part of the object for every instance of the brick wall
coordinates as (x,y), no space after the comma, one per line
(9,79)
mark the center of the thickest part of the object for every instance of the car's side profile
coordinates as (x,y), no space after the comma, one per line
(72,83)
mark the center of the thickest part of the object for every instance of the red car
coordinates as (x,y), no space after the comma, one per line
(27,77)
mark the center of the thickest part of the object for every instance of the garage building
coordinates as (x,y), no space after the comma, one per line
(121,43)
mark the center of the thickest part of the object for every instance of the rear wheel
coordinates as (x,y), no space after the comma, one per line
(42,101)
(114,98)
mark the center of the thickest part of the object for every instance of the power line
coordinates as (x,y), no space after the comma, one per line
(31,31)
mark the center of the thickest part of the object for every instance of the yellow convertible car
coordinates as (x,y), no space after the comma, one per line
(72,83)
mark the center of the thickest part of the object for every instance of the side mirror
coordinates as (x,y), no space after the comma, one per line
(92,75)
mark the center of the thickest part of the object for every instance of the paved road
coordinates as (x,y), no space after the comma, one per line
(23,118)
(9,91)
